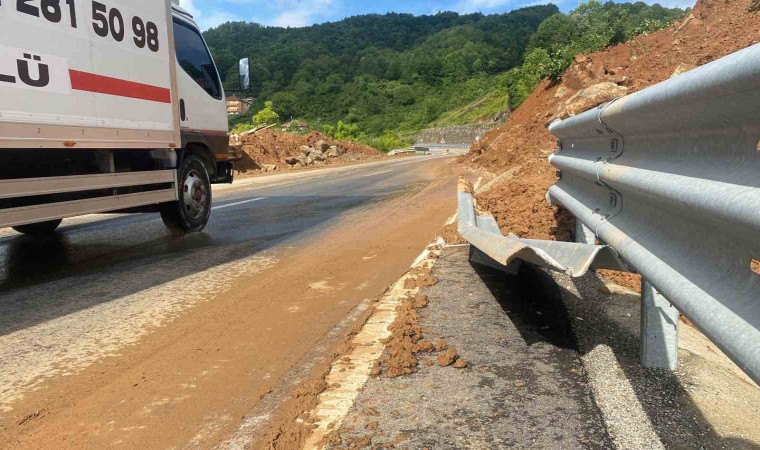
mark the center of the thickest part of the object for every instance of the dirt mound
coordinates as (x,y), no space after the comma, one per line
(402,345)
(714,29)
(267,151)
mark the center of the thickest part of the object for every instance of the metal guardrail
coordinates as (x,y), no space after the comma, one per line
(480,229)
(670,178)
(443,146)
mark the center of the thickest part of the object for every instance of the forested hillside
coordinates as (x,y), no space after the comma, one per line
(381,75)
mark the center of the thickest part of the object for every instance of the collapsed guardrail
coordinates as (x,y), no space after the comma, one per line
(669,177)
(480,229)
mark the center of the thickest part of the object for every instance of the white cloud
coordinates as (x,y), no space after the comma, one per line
(469,6)
(217,18)
(291,13)
(293,19)
(210,20)
(189,5)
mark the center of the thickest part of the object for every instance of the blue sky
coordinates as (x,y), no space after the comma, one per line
(298,13)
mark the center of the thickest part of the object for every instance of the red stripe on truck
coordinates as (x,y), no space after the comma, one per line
(90,82)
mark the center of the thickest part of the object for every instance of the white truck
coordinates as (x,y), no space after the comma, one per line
(107,105)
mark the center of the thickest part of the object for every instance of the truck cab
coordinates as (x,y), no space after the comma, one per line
(202,104)
(203,125)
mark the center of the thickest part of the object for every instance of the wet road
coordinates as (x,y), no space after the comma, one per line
(119,289)
(254,213)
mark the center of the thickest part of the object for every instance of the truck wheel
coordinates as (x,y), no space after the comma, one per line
(190,214)
(39,228)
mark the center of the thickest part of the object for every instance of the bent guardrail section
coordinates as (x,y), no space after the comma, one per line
(670,178)
(481,230)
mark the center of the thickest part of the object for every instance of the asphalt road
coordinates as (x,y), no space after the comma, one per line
(524,385)
(113,332)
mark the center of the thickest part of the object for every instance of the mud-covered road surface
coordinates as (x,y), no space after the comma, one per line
(114,334)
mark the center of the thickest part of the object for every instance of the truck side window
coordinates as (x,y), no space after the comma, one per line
(194,58)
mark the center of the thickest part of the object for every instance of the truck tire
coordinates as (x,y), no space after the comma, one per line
(39,228)
(191,213)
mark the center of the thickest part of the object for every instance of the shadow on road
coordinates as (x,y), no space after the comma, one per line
(533,305)
(544,305)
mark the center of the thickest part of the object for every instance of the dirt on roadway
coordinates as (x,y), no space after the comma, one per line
(191,383)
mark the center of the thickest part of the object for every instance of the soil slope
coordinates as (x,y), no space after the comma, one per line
(520,147)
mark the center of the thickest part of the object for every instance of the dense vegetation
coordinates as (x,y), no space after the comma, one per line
(374,77)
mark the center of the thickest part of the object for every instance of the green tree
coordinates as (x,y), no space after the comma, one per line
(266,116)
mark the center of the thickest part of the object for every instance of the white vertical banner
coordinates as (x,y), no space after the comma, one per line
(245,74)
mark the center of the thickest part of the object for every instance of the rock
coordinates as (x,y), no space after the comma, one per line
(425,346)
(460,364)
(322,145)
(562,91)
(313,150)
(268,168)
(619,79)
(440,345)
(688,22)
(589,98)
(447,358)
(317,156)
(580,58)
(682,68)
(421,301)
(291,160)
(305,149)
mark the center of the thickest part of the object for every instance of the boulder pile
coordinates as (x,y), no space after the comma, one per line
(319,153)
(270,151)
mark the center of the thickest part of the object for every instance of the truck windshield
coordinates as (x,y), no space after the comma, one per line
(194,58)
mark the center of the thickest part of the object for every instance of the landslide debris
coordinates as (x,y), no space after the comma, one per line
(408,341)
(518,150)
(399,358)
(420,278)
(270,151)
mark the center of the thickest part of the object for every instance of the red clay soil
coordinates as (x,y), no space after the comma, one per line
(270,147)
(523,144)
(627,280)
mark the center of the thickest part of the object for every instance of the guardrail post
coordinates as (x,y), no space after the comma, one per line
(659,330)
(584,234)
